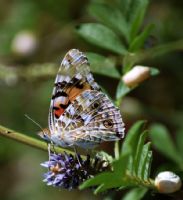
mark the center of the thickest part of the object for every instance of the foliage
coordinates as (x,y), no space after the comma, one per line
(160,135)
(119,36)
(132,168)
(120,30)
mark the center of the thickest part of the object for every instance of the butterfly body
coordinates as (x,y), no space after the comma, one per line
(80,114)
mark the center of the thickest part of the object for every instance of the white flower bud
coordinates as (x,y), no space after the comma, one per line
(24,43)
(136,75)
(167,182)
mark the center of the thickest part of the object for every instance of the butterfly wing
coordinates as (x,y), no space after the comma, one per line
(89,120)
(72,79)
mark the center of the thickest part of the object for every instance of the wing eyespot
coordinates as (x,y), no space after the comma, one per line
(95,105)
(108,123)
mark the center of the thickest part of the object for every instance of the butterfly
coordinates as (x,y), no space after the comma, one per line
(80,114)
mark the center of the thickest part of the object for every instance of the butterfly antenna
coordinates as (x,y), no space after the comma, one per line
(48,144)
(27,116)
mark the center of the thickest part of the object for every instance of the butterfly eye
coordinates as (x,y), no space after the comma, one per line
(108,123)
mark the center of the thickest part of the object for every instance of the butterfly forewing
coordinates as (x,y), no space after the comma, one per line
(72,79)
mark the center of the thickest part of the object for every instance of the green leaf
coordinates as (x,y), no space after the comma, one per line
(110,16)
(137,16)
(139,41)
(124,6)
(120,165)
(99,179)
(104,181)
(147,166)
(154,71)
(135,194)
(144,166)
(122,90)
(164,143)
(179,141)
(102,65)
(101,36)
(131,139)
(108,180)
(138,154)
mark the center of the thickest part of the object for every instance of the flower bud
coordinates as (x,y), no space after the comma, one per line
(24,43)
(136,75)
(167,182)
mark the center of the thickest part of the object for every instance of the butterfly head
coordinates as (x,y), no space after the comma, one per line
(45,134)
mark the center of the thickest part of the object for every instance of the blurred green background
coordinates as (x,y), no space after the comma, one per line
(48,27)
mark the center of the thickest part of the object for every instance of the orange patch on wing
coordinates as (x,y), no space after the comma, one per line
(74,92)
(59,112)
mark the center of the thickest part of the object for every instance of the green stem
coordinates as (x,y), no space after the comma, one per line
(22,138)
(145,183)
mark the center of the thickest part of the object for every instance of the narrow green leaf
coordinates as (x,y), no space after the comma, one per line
(131,142)
(160,135)
(97,180)
(101,36)
(99,188)
(122,90)
(156,51)
(139,41)
(109,185)
(135,194)
(131,139)
(138,154)
(137,16)
(179,141)
(110,16)
(102,65)
(120,165)
(143,161)
(124,6)
(147,166)
(108,180)
(104,181)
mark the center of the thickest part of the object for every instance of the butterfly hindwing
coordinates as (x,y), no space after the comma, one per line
(91,119)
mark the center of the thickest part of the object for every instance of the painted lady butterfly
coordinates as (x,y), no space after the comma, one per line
(80,114)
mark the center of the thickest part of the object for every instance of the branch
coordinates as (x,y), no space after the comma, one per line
(22,138)
(31,72)
(46,70)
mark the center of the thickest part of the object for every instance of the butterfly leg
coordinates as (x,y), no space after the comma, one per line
(50,146)
(75,150)
(53,147)
(49,150)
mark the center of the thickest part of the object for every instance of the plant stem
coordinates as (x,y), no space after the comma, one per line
(145,183)
(22,138)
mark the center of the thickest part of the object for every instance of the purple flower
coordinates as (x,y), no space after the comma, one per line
(68,171)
